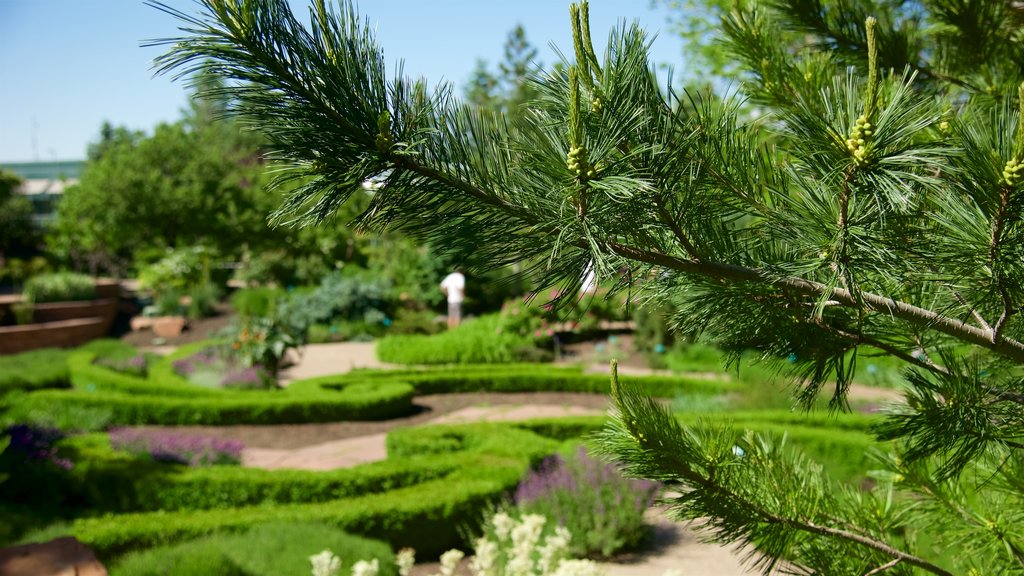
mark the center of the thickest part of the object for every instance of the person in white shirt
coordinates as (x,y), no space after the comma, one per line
(454,286)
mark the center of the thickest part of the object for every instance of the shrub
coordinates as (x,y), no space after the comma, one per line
(272,549)
(255,302)
(177,448)
(203,299)
(134,366)
(179,269)
(409,321)
(45,368)
(343,297)
(525,546)
(30,466)
(603,510)
(59,287)
(215,366)
(477,341)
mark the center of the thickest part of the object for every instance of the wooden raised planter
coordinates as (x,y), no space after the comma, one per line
(63,324)
(60,334)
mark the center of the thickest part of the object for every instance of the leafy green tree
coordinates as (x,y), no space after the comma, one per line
(18,234)
(877,207)
(506,90)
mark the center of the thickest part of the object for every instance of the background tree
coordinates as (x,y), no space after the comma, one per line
(873,210)
(18,234)
(507,89)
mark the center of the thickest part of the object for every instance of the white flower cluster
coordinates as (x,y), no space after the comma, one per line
(325,564)
(405,560)
(519,550)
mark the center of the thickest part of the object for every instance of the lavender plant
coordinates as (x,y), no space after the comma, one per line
(28,444)
(177,448)
(602,509)
(136,365)
(216,367)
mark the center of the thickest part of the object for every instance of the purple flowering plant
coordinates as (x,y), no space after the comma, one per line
(135,366)
(217,367)
(193,450)
(28,444)
(603,510)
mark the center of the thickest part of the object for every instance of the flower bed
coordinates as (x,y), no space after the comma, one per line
(177,448)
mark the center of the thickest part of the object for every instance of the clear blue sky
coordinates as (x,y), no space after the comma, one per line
(68,65)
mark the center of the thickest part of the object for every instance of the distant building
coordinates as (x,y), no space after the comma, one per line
(44,184)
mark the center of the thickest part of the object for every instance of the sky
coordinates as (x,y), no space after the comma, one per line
(68,65)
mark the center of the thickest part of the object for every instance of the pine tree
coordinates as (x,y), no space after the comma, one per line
(875,206)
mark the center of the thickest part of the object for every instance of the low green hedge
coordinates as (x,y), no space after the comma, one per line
(112,481)
(35,370)
(166,398)
(355,402)
(437,481)
(534,378)
(59,287)
(455,483)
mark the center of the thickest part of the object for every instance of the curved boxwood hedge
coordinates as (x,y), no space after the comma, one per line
(535,378)
(430,497)
(166,398)
(35,370)
(438,480)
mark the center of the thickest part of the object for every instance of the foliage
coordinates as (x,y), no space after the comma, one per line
(527,545)
(37,369)
(256,301)
(214,366)
(475,341)
(269,550)
(179,269)
(177,448)
(351,297)
(18,233)
(603,510)
(59,287)
(30,462)
(262,343)
(133,366)
(190,183)
(408,322)
(508,89)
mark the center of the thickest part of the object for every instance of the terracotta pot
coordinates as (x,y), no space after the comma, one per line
(141,323)
(168,326)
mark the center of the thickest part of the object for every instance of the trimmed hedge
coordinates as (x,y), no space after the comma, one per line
(535,378)
(354,402)
(35,370)
(166,398)
(437,481)
(112,481)
(485,462)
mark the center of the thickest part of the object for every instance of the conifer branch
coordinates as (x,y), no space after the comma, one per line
(884,567)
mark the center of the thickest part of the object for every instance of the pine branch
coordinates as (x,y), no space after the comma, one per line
(646,426)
